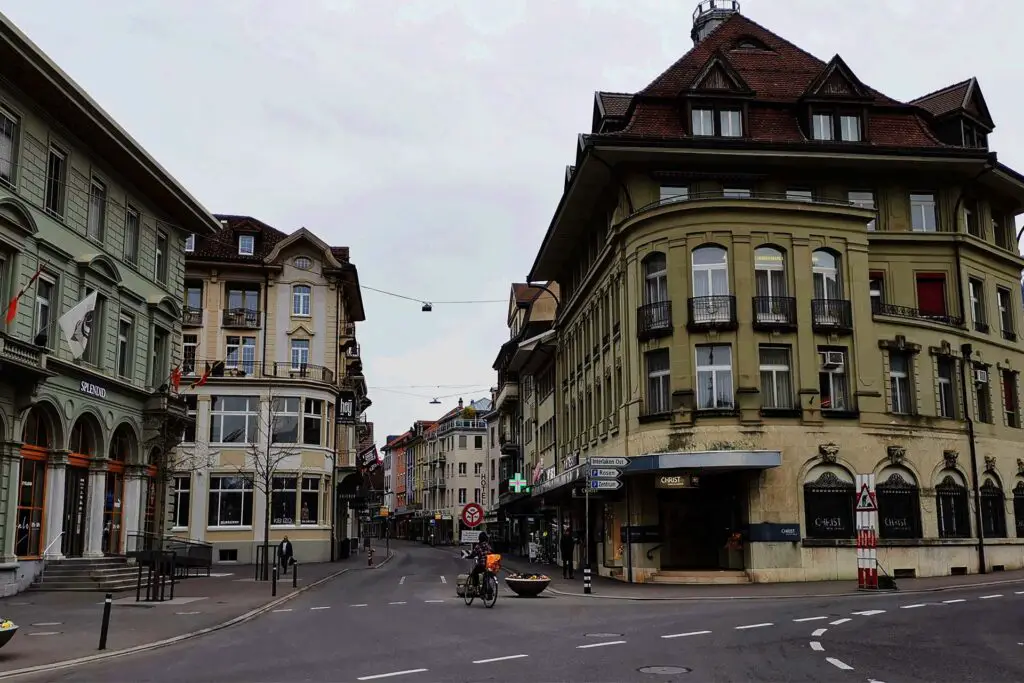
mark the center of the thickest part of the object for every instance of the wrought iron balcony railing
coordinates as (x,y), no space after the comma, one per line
(712,312)
(654,320)
(774,312)
(239,369)
(831,315)
(880,308)
(191,317)
(246,318)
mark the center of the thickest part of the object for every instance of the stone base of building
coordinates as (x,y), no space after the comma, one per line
(245,552)
(16,577)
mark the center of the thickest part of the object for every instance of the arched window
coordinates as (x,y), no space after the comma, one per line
(1018,508)
(951,506)
(827,276)
(122,444)
(37,430)
(710,272)
(770,272)
(656,278)
(829,498)
(84,437)
(899,504)
(993,509)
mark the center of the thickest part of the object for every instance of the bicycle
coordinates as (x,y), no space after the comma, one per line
(487,591)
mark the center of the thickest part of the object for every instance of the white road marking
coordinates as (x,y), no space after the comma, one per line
(874,680)
(838,664)
(362,604)
(46,633)
(186,613)
(816,646)
(870,612)
(319,608)
(1018,592)
(819,633)
(393,673)
(950,602)
(989,597)
(283,610)
(433,601)
(401,581)
(837,622)
(684,635)
(498,659)
(49,623)
(396,603)
(809,619)
(740,628)
(443,580)
(608,642)
(920,604)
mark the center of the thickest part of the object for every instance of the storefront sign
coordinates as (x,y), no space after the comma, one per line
(771,532)
(677,481)
(345,410)
(92,389)
(640,534)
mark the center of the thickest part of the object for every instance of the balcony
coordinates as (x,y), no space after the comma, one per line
(241,370)
(348,330)
(895,311)
(509,445)
(353,352)
(438,483)
(241,318)
(508,395)
(831,316)
(654,320)
(712,312)
(774,313)
(191,317)
(16,355)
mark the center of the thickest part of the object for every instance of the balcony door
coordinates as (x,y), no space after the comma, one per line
(711,284)
(770,285)
(828,288)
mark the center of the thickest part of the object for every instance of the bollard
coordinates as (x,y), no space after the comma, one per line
(295,575)
(106,621)
(369,557)
(586,579)
(273,582)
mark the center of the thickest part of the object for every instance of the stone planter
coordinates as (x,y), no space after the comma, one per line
(527,588)
(6,635)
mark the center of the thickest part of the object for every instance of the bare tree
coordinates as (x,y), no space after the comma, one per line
(275,440)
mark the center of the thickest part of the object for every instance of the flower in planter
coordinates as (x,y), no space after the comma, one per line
(6,625)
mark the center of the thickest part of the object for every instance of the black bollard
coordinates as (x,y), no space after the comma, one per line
(106,621)
(273,582)
(295,575)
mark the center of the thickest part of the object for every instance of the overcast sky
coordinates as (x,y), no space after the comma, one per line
(431,136)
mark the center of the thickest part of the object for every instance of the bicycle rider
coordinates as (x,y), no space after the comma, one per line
(481,549)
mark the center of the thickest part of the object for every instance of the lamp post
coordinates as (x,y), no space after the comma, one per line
(967,350)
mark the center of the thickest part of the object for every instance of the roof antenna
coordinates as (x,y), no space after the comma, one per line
(435,402)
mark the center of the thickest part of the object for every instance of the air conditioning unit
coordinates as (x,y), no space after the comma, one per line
(981,376)
(832,359)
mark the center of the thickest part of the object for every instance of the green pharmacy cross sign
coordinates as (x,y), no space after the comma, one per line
(518,484)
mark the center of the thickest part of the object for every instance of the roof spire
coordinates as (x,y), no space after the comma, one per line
(709,14)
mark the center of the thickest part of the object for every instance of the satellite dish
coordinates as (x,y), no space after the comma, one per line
(435,402)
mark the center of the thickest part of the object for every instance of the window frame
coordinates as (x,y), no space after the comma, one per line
(56,205)
(944,384)
(302,293)
(178,494)
(125,345)
(54,298)
(1004,302)
(976,298)
(241,346)
(833,122)
(718,120)
(95,228)
(832,373)
(132,234)
(282,410)
(9,117)
(190,243)
(774,370)
(659,378)
(245,493)
(655,267)
(918,207)
(297,348)
(310,417)
(857,198)
(251,414)
(161,266)
(713,371)
(901,394)
(249,240)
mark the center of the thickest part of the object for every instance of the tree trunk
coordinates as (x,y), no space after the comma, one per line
(266,530)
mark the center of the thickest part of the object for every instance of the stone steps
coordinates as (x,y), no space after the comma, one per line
(87,574)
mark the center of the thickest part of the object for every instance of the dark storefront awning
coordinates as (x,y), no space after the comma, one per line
(705,460)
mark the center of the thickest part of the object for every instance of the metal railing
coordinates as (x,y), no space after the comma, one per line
(654,319)
(831,314)
(20,351)
(191,317)
(240,369)
(241,317)
(880,308)
(774,311)
(747,196)
(147,548)
(712,311)
(352,352)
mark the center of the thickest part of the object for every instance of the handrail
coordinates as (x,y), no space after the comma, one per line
(47,548)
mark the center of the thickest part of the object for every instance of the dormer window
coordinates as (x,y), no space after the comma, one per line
(190,244)
(973,136)
(711,121)
(836,126)
(246,245)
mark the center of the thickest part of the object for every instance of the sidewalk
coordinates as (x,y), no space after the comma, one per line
(60,626)
(611,589)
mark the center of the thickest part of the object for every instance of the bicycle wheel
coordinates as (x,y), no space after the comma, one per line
(468,592)
(490,592)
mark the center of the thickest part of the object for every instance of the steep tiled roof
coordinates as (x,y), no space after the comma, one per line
(946,99)
(775,75)
(366,437)
(223,246)
(615,103)
(525,293)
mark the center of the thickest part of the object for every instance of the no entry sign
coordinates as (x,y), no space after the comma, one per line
(472,515)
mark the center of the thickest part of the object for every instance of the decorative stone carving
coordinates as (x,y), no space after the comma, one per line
(1020,467)
(829,452)
(950,458)
(897,454)
(990,463)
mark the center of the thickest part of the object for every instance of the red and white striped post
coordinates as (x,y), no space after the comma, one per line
(867,533)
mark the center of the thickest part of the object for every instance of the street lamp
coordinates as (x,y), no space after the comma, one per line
(967,350)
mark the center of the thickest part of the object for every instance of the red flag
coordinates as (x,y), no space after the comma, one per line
(176,378)
(202,379)
(12,305)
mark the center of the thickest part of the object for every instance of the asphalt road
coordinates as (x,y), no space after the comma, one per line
(402,622)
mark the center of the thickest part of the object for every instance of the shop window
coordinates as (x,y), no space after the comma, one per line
(283,498)
(951,506)
(230,503)
(1018,508)
(31,499)
(310,512)
(829,499)
(993,509)
(899,505)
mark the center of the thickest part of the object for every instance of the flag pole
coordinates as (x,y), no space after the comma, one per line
(11,312)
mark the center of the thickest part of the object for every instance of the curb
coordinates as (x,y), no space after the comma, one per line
(241,619)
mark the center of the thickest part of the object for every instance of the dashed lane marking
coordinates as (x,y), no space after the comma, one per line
(400,602)
(283,610)
(800,621)
(389,675)
(767,623)
(45,633)
(816,646)
(1018,592)
(837,622)
(686,635)
(819,633)
(498,659)
(950,602)
(989,597)
(48,623)
(870,612)
(920,604)
(186,613)
(443,580)
(839,664)
(361,604)
(401,581)
(319,608)
(607,642)
(433,601)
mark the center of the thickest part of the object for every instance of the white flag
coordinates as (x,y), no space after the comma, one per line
(77,325)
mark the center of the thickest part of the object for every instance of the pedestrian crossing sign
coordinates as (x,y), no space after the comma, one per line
(866,501)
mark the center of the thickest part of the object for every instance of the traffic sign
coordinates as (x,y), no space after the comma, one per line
(472,515)
(605,473)
(865,501)
(605,484)
(605,461)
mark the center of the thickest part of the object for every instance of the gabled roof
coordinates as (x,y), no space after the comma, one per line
(837,81)
(964,96)
(719,75)
(223,245)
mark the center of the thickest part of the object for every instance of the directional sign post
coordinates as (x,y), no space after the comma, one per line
(867,533)
(602,461)
(603,474)
(605,484)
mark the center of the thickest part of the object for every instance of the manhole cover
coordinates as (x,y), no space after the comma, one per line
(602,635)
(664,670)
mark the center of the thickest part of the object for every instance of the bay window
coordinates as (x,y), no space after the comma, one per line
(234,419)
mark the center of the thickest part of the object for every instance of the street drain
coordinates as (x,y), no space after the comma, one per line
(664,670)
(602,635)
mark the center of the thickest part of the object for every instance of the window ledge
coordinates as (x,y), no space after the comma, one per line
(841,414)
(229,528)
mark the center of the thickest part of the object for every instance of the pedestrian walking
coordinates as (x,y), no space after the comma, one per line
(284,554)
(568,548)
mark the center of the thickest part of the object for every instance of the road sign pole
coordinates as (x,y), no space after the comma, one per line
(867,533)
(586,541)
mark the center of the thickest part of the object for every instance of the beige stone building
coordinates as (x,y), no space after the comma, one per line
(273,378)
(775,278)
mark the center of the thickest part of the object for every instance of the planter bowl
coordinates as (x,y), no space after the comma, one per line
(7,634)
(527,588)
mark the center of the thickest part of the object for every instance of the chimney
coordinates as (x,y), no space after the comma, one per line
(709,14)
(460,404)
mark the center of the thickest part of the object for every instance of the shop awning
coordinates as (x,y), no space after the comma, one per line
(705,460)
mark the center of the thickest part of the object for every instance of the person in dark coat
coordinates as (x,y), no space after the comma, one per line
(568,547)
(284,554)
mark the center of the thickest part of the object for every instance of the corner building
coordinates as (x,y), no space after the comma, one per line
(770,272)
